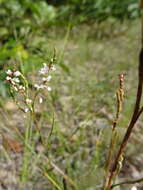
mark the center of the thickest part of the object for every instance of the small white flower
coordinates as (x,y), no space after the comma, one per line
(53,68)
(52,60)
(49,88)
(134,188)
(45,65)
(16,80)
(49,78)
(17,73)
(26,110)
(15,88)
(45,79)
(44,69)
(28,101)
(40,100)
(41,86)
(8,78)
(13,82)
(21,87)
(9,72)
(36,86)
(42,72)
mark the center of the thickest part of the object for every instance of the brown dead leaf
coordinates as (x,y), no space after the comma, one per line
(10,106)
(13,145)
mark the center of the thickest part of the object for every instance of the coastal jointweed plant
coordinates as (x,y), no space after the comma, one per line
(25,99)
(18,85)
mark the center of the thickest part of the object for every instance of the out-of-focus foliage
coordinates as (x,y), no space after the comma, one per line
(49,11)
(16,14)
(25,15)
(18,20)
(100,10)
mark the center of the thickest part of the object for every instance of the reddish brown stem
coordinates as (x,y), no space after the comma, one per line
(137,112)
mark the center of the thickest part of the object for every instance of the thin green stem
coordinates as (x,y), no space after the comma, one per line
(127,182)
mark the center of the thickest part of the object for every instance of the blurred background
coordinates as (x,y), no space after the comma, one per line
(95,41)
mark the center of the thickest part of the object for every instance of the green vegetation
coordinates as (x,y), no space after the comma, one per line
(63,137)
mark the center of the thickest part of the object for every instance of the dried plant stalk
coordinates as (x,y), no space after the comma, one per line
(120,97)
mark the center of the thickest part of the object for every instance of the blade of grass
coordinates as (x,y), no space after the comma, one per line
(52,181)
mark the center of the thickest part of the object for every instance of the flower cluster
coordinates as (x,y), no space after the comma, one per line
(13,77)
(18,83)
(45,77)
